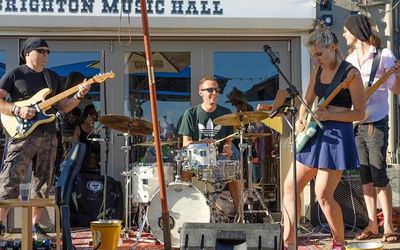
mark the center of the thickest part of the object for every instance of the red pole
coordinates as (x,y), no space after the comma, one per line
(156,132)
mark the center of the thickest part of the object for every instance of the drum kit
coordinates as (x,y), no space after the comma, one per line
(186,203)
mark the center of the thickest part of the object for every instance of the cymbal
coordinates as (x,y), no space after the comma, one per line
(252,135)
(151,143)
(130,125)
(235,119)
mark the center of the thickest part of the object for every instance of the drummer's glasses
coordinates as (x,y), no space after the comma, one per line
(211,90)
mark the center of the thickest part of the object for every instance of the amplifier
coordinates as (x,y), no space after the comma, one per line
(349,195)
(230,236)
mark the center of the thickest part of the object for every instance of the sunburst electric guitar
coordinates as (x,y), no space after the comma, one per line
(311,128)
(20,128)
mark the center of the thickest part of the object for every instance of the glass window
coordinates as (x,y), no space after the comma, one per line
(77,65)
(172,80)
(248,76)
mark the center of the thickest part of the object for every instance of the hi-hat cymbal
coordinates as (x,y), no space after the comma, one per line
(236,119)
(130,125)
(151,143)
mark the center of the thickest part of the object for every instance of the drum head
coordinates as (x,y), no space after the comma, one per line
(185,204)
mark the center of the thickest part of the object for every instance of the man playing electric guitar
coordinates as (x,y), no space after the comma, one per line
(39,147)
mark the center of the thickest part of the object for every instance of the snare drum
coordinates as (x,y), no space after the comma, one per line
(200,155)
(185,204)
(145,180)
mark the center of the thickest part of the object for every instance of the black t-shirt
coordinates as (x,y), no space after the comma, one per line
(23,82)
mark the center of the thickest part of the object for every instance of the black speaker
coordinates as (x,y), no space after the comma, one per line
(230,236)
(349,195)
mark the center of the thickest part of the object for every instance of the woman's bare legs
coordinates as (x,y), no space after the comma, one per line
(326,182)
(303,174)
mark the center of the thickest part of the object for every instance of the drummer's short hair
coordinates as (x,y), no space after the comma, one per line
(207,78)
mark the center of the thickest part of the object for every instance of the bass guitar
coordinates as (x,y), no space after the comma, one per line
(311,128)
(20,128)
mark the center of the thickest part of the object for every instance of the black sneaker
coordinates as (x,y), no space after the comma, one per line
(38,230)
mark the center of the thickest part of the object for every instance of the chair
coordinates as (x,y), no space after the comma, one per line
(69,170)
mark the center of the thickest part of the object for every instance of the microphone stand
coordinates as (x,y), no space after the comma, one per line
(291,111)
(107,140)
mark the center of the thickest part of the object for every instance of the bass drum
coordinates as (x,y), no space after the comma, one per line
(185,204)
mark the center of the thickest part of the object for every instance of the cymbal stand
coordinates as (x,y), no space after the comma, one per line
(250,192)
(126,148)
(242,148)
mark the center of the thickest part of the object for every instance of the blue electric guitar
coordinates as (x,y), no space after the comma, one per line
(311,128)
(20,128)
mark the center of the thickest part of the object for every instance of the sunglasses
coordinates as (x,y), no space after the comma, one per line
(211,90)
(43,51)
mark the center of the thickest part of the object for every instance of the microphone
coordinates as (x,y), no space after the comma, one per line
(271,54)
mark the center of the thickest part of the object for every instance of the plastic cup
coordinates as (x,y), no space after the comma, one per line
(24,191)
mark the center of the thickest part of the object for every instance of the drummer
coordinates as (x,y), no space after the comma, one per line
(197,124)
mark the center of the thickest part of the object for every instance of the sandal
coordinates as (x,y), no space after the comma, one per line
(390,238)
(366,236)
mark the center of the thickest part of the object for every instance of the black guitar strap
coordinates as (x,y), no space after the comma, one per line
(342,71)
(375,65)
(47,78)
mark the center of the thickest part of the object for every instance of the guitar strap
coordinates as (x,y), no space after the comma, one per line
(375,65)
(343,69)
(47,78)
(48,82)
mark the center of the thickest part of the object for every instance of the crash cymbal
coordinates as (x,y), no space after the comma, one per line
(130,125)
(151,143)
(235,119)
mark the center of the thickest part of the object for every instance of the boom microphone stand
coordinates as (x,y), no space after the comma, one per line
(291,111)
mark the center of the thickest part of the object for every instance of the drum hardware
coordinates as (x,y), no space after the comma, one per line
(252,193)
(129,126)
(240,119)
(151,144)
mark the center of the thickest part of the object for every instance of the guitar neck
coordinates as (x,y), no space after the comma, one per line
(49,102)
(336,91)
(378,83)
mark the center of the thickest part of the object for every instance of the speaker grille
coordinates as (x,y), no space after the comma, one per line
(354,211)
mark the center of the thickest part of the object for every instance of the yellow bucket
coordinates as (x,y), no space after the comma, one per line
(106,233)
(364,246)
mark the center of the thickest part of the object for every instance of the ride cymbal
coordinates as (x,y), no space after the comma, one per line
(125,124)
(236,119)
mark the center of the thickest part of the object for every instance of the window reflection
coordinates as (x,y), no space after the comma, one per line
(172,77)
(250,74)
(79,124)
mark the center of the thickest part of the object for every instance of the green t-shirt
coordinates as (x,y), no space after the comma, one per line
(199,125)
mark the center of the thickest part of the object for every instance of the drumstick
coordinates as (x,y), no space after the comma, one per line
(229,136)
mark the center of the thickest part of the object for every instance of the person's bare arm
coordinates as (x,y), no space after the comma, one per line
(186,140)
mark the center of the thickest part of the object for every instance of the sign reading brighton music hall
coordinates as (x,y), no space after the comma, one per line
(110,7)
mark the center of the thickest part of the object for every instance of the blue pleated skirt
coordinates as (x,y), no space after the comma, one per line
(333,147)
